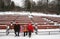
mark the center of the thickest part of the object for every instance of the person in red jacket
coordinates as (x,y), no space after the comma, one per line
(30,29)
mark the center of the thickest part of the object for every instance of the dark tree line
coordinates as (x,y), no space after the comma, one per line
(9,7)
(33,7)
(58,7)
(51,8)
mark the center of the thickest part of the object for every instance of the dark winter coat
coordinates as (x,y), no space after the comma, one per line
(16,27)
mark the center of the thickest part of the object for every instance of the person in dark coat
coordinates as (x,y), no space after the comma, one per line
(30,29)
(16,29)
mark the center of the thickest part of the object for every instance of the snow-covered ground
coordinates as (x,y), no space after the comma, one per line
(40,31)
(34,36)
(42,34)
(28,13)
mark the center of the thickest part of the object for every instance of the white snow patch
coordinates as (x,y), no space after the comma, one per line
(28,13)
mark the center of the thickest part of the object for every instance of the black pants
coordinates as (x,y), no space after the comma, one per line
(36,31)
(7,31)
(16,33)
(25,33)
(30,33)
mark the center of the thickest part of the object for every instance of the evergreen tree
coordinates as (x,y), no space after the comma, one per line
(12,6)
(2,6)
(28,5)
(58,7)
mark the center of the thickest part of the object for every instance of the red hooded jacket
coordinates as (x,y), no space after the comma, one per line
(30,28)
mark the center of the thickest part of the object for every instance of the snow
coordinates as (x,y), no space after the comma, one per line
(42,34)
(28,13)
(40,30)
(32,37)
(48,29)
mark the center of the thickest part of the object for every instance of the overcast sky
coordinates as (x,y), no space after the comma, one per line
(21,2)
